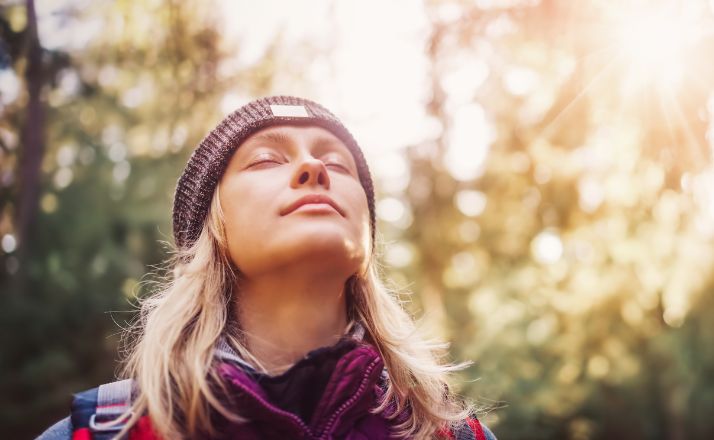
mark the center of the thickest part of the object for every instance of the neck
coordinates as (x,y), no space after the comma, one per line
(285,315)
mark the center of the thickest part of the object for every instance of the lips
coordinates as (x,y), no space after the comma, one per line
(312,199)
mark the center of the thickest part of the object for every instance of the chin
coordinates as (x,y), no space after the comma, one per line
(324,245)
(331,247)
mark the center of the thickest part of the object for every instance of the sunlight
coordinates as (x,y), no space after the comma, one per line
(347,70)
(655,47)
(470,140)
(547,247)
(9,86)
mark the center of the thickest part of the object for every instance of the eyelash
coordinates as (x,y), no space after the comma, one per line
(258,162)
(339,165)
(273,160)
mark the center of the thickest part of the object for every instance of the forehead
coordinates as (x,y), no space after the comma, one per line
(290,135)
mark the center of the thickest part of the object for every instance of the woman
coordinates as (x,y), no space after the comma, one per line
(275,324)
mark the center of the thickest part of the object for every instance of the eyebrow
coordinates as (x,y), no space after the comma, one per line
(277,137)
(280,137)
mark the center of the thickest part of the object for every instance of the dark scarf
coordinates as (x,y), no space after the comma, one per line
(287,390)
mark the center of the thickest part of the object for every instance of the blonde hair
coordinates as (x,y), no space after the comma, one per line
(170,347)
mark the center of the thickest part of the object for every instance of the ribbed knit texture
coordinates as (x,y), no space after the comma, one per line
(209,160)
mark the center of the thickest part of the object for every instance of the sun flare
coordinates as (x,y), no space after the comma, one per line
(656,47)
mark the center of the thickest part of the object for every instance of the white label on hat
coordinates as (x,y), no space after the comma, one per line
(297,111)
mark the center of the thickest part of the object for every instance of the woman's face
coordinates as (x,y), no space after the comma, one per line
(291,195)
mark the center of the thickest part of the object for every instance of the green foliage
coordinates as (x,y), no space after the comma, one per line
(120,112)
(574,266)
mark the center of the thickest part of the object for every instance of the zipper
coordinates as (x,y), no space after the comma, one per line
(297,421)
(349,402)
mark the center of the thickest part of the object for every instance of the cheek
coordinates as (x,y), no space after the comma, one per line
(244,212)
(364,233)
(361,216)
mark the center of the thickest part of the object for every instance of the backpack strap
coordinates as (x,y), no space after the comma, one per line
(113,402)
(468,429)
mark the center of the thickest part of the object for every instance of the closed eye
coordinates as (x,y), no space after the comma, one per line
(264,159)
(258,162)
(338,165)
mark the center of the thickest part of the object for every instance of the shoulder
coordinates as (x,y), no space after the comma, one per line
(487,433)
(469,429)
(61,430)
(479,430)
(83,406)
(104,403)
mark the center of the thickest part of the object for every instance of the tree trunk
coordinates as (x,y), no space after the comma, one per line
(32,141)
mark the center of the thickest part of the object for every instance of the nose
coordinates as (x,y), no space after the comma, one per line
(311,172)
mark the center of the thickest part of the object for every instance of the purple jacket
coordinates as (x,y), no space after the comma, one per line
(300,404)
(329,394)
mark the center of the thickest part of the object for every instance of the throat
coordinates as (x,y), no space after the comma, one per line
(282,325)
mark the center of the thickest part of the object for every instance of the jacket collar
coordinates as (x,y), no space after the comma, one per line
(225,352)
(352,388)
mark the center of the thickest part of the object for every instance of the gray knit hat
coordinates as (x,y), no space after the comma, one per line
(209,160)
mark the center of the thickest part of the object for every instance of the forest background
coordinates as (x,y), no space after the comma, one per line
(544,175)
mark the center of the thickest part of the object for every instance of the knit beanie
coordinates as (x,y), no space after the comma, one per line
(209,160)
